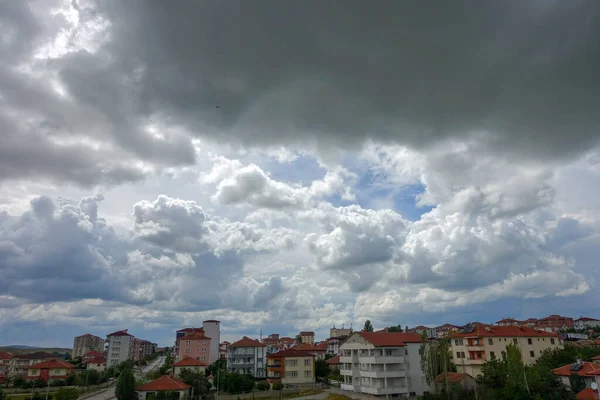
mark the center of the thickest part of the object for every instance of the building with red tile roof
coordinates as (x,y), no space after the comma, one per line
(586,323)
(50,369)
(589,371)
(165,383)
(466,381)
(307,337)
(587,394)
(334,363)
(195,345)
(4,365)
(509,322)
(393,356)
(188,363)
(291,367)
(247,356)
(473,346)
(120,347)
(20,362)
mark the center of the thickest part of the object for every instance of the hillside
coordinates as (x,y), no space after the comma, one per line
(25,350)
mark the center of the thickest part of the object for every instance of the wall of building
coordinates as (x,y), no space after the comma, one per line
(298,370)
(212,329)
(119,349)
(86,343)
(198,349)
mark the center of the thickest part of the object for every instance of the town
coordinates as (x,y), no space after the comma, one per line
(390,362)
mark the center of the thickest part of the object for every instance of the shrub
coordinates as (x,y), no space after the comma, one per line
(278,386)
(263,385)
(66,394)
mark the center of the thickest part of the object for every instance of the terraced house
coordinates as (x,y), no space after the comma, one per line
(247,356)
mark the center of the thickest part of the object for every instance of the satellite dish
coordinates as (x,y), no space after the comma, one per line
(594,386)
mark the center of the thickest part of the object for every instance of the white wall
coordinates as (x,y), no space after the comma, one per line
(213,331)
(119,349)
(414,371)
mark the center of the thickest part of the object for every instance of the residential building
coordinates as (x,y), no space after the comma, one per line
(86,343)
(87,357)
(50,370)
(291,367)
(223,346)
(4,365)
(333,344)
(589,371)
(383,364)
(420,330)
(465,381)
(443,331)
(555,321)
(120,347)
(190,364)
(509,322)
(20,362)
(471,348)
(195,345)
(334,363)
(307,337)
(588,394)
(97,363)
(135,349)
(247,356)
(318,350)
(212,328)
(276,343)
(165,383)
(586,323)
(530,322)
(335,332)
(147,348)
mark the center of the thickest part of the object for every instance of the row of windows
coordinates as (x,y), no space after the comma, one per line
(479,354)
(187,342)
(187,351)
(294,374)
(476,342)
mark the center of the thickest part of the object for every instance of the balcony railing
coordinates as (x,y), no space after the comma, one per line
(383,374)
(382,359)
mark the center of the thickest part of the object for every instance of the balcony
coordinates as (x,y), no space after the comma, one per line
(274,365)
(384,374)
(349,360)
(474,361)
(346,372)
(345,386)
(382,359)
(473,347)
(383,391)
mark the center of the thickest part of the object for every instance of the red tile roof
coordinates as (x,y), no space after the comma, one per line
(309,347)
(586,319)
(50,364)
(321,346)
(587,394)
(163,383)
(504,331)
(97,360)
(5,356)
(307,333)
(596,358)
(508,320)
(333,360)
(587,369)
(93,353)
(247,342)
(453,377)
(195,336)
(119,333)
(189,362)
(421,327)
(384,339)
(290,353)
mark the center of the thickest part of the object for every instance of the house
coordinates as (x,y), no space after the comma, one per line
(120,347)
(383,364)
(509,322)
(4,365)
(555,321)
(334,363)
(588,394)
(90,355)
(189,363)
(223,346)
(471,348)
(333,344)
(424,330)
(50,370)
(20,362)
(465,381)
(211,329)
(307,337)
(275,343)
(335,332)
(247,356)
(589,371)
(443,331)
(165,383)
(146,348)
(195,345)
(585,323)
(86,343)
(318,351)
(96,364)
(291,367)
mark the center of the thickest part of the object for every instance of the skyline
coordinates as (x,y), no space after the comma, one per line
(162,165)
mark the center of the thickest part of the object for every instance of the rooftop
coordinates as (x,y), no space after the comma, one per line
(52,364)
(504,331)
(587,369)
(119,333)
(453,377)
(189,362)
(307,333)
(333,360)
(291,353)
(385,339)
(587,394)
(247,342)
(164,383)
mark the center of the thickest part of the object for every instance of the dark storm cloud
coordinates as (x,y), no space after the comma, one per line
(411,72)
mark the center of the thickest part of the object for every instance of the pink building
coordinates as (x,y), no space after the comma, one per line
(195,345)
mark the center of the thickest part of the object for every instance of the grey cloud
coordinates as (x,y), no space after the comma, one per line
(338,72)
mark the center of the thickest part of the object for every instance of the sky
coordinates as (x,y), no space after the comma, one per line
(287,166)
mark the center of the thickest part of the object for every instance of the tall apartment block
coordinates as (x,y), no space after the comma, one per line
(86,343)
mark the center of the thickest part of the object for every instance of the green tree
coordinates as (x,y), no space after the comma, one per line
(1,394)
(277,385)
(577,383)
(261,386)
(397,328)
(18,381)
(166,395)
(198,382)
(368,327)
(321,369)
(66,394)
(125,389)
(234,382)
(299,339)
(435,359)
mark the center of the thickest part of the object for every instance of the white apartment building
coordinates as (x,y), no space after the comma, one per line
(585,323)
(383,364)
(120,347)
(247,356)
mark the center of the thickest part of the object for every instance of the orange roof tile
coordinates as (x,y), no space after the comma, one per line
(453,377)
(97,360)
(163,383)
(53,363)
(189,362)
(333,360)
(5,356)
(504,331)
(119,333)
(596,358)
(322,345)
(587,394)
(199,335)
(247,342)
(93,353)
(307,333)
(381,339)
(587,369)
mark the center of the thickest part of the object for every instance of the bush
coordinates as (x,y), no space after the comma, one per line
(66,394)
(263,385)
(278,386)
(57,382)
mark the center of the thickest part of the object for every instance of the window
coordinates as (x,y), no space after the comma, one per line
(462,354)
(490,341)
(531,353)
(291,363)
(458,354)
(458,342)
(187,351)
(204,349)
(408,382)
(405,352)
(388,352)
(515,341)
(307,362)
(407,365)
(492,354)
(307,374)
(479,354)
(291,374)
(551,340)
(202,358)
(204,342)
(530,341)
(187,342)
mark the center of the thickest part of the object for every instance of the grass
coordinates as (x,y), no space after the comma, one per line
(301,394)
(338,397)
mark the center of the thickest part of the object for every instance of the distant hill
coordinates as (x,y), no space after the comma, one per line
(18,349)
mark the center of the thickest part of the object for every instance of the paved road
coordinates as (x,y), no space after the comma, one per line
(106,394)
(319,396)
